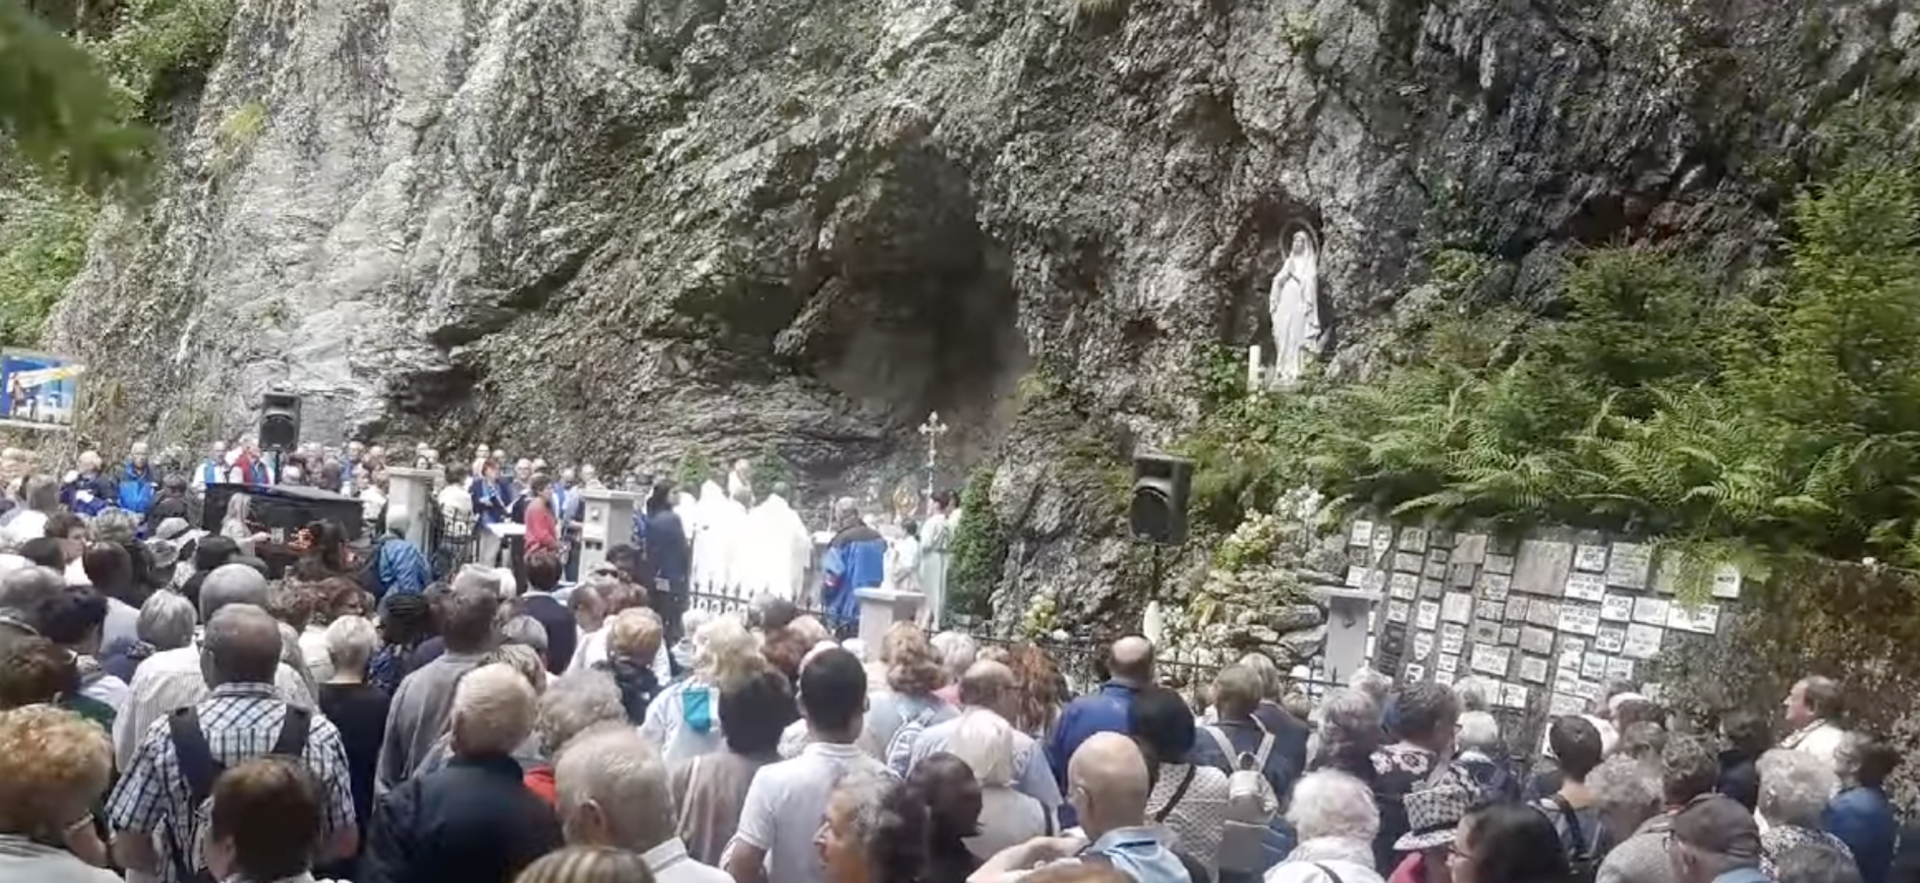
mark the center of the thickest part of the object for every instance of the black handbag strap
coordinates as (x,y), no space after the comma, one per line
(1573,825)
(1178,793)
(200,769)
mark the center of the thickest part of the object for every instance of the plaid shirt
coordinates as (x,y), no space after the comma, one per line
(241,722)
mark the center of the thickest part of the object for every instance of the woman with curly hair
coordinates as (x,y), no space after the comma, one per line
(912,673)
(54,766)
(1040,688)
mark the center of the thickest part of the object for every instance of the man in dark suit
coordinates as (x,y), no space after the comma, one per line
(543,575)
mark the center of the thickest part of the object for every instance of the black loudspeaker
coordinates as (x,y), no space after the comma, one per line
(279,422)
(1158,511)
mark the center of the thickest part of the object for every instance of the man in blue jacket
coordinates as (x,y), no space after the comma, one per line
(856,559)
(1861,815)
(1129,670)
(137,483)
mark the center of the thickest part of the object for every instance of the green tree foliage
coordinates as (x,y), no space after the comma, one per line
(1778,418)
(58,111)
(76,109)
(43,243)
(979,549)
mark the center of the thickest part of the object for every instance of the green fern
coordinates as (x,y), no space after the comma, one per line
(1777,421)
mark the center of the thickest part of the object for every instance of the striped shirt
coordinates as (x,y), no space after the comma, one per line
(241,722)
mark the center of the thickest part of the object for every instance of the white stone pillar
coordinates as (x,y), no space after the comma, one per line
(606,520)
(1349,623)
(1254,380)
(410,500)
(880,609)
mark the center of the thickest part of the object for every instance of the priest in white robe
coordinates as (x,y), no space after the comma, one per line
(936,553)
(782,548)
(707,560)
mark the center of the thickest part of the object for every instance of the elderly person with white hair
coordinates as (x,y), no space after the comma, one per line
(956,651)
(684,718)
(359,710)
(527,632)
(1794,789)
(166,622)
(1483,756)
(985,742)
(1348,735)
(1334,817)
(614,793)
(573,704)
(474,819)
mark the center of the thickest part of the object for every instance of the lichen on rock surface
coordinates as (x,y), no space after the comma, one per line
(616,231)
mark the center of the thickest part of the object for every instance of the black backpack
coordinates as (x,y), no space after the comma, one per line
(1583,854)
(200,769)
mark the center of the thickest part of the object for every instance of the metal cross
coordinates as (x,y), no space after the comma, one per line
(933,429)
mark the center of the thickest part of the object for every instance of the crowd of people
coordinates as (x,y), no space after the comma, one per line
(216,720)
(732,543)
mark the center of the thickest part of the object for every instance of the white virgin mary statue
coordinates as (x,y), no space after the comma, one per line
(1294,306)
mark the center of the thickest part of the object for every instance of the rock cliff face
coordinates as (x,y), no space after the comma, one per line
(621,229)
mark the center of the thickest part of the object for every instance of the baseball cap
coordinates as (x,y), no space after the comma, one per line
(1718,824)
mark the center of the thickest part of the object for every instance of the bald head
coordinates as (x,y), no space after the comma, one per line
(242,645)
(986,684)
(231,584)
(1132,659)
(1108,783)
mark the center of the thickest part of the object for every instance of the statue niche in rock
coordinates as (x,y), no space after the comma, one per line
(1293,305)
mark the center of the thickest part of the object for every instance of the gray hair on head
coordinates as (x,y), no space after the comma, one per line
(1626,788)
(232,584)
(1795,787)
(466,612)
(574,704)
(984,741)
(114,526)
(527,631)
(1821,694)
(867,791)
(1479,731)
(1815,861)
(473,576)
(1272,681)
(1473,695)
(1349,717)
(619,771)
(351,641)
(1328,803)
(242,644)
(167,620)
(25,589)
(493,710)
(1236,691)
(42,493)
(845,509)
(956,650)
(1372,683)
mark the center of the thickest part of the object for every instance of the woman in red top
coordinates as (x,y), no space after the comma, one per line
(543,531)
